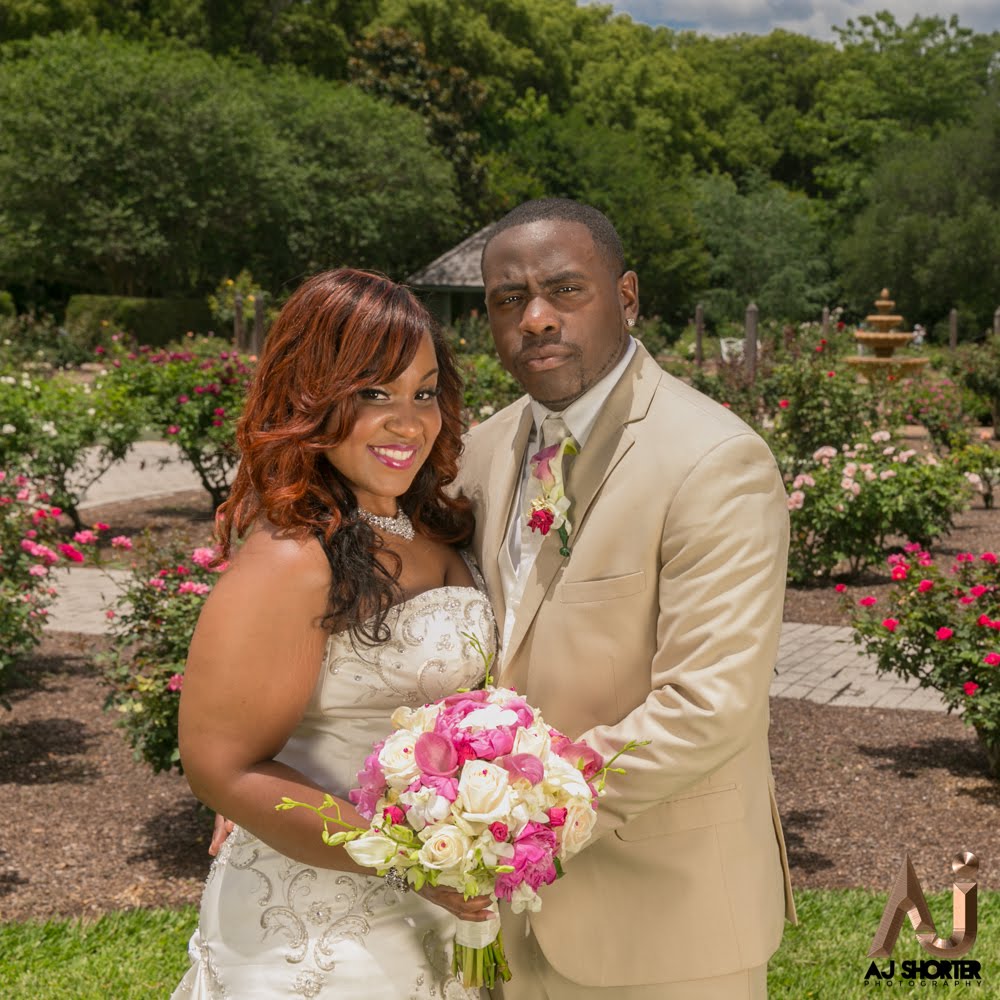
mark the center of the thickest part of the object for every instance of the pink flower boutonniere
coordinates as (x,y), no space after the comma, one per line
(549,508)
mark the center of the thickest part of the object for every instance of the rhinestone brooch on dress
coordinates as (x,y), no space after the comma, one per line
(398,525)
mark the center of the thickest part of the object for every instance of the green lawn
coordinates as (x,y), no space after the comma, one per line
(141,954)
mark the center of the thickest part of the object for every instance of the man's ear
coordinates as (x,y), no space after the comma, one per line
(628,294)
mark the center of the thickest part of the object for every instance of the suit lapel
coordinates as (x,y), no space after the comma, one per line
(609,441)
(503,481)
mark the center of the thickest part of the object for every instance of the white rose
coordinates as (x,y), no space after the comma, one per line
(417,720)
(424,807)
(445,849)
(483,792)
(372,850)
(396,759)
(534,740)
(563,775)
(580,820)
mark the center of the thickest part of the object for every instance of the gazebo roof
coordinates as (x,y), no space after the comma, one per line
(456,269)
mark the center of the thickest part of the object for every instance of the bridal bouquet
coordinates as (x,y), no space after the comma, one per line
(477,793)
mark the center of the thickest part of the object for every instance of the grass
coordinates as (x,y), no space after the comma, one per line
(131,955)
(141,954)
(825,956)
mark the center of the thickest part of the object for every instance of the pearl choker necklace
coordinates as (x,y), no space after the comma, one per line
(398,525)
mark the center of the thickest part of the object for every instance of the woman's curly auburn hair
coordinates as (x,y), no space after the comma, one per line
(340,332)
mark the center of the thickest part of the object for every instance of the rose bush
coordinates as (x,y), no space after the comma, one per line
(488,387)
(939,405)
(64,433)
(29,548)
(981,466)
(192,395)
(940,626)
(846,504)
(152,624)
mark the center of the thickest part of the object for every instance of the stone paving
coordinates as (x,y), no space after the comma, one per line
(819,663)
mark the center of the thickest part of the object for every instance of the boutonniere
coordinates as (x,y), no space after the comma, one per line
(549,508)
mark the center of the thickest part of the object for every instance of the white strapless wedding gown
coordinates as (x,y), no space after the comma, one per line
(271,927)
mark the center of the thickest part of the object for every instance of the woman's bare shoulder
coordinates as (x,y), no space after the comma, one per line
(282,555)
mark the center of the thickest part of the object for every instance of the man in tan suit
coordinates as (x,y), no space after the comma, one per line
(661,624)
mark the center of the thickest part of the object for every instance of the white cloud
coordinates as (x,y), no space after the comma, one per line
(804,17)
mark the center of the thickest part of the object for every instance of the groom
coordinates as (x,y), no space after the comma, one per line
(662,624)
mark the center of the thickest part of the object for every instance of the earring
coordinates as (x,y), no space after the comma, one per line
(630,322)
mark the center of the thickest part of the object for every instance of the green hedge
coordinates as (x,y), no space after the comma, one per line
(151,321)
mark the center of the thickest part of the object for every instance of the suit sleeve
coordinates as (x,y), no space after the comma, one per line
(724,548)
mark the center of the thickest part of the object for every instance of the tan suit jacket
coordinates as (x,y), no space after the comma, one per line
(662,624)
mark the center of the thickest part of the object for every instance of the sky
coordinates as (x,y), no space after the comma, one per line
(804,17)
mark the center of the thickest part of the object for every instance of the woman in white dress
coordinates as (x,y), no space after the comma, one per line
(348,598)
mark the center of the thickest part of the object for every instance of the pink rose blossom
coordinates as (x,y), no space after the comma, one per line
(71,553)
(890,623)
(176,682)
(109,614)
(840,588)
(156,583)
(38,570)
(978,590)
(394,814)
(557,817)
(868,602)
(796,500)
(988,557)
(86,537)
(101,526)
(192,587)
(122,542)
(783,403)
(925,585)
(899,572)
(203,557)
(970,688)
(984,620)
(991,659)
(944,633)
(499,832)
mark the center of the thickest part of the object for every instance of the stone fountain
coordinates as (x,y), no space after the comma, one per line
(883,338)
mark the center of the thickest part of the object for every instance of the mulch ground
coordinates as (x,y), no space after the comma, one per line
(85,829)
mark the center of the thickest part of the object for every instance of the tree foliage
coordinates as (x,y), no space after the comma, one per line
(931,231)
(132,170)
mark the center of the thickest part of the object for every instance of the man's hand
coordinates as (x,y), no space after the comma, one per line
(222,829)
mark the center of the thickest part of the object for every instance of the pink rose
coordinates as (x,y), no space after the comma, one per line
(394,814)
(991,659)
(890,623)
(925,585)
(944,633)
(499,832)
(557,816)
(988,557)
(74,555)
(840,588)
(970,688)
(176,682)
(867,602)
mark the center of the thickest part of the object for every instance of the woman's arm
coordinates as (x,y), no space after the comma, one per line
(252,667)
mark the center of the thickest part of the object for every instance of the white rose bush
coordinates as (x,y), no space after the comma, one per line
(477,793)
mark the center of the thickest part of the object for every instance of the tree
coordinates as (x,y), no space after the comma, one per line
(765,246)
(564,156)
(134,170)
(931,231)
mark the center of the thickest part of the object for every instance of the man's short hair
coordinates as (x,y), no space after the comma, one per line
(602,232)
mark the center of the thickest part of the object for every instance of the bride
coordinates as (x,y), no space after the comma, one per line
(348,598)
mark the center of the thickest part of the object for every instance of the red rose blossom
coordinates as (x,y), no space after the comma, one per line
(541,520)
